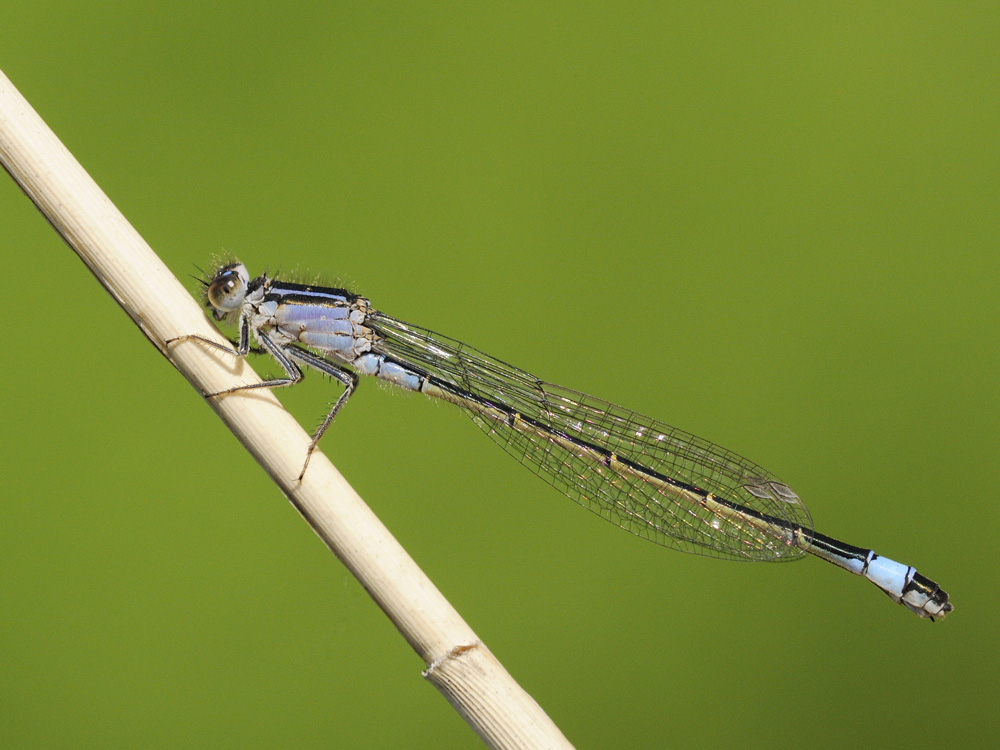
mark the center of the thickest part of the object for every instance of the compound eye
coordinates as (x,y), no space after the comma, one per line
(227,290)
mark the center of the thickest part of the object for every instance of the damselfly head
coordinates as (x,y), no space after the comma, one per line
(227,289)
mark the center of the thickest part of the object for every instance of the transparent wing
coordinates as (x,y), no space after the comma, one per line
(641,475)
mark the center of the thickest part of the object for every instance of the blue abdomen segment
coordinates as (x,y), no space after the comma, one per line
(392,372)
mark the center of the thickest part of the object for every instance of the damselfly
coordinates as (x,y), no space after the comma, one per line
(652,480)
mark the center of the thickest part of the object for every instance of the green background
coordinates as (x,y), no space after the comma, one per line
(774,225)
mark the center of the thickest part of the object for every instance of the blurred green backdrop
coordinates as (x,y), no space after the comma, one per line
(775,225)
